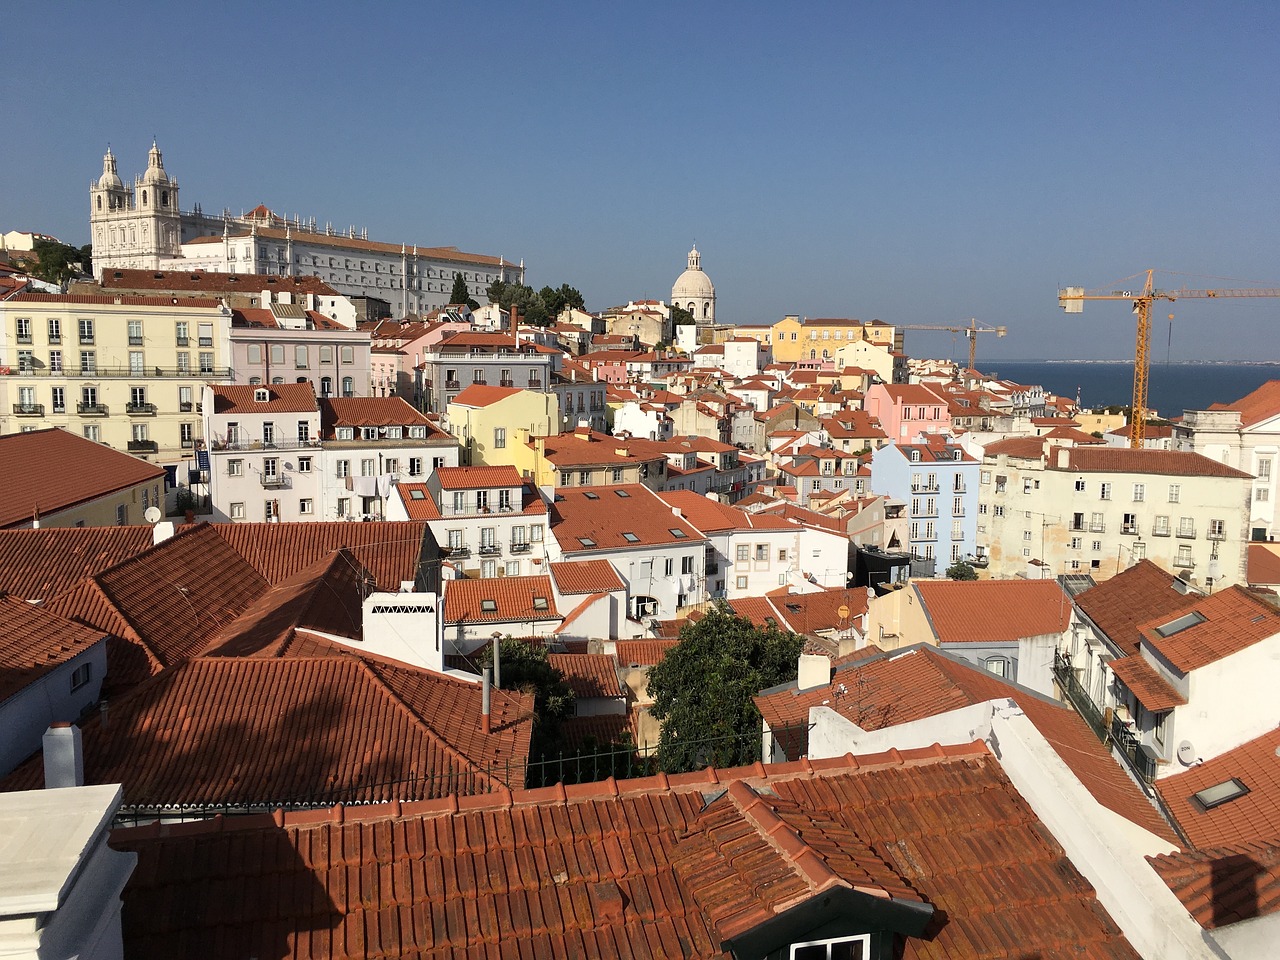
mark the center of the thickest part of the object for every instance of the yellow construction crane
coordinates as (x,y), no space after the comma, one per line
(1072,299)
(970,332)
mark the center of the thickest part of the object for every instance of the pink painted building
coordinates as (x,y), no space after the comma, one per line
(906,410)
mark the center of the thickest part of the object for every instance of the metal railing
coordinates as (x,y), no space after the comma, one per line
(143,446)
(1131,748)
(140,408)
(277,481)
(92,409)
(520,548)
(1079,697)
(28,409)
(212,373)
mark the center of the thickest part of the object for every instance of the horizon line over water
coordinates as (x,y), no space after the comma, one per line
(1193,385)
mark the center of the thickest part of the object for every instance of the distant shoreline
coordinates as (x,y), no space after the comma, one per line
(1154,363)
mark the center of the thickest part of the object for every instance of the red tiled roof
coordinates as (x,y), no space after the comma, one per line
(1234,620)
(599,730)
(585,576)
(616,869)
(1254,407)
(642,653)
(568,450)
(710,515)
(212,281)
(371,412)
(284,398)
(1119,604)
(1251,818)
(921,682)
(994,610)
(1225,884)
(1023,448)
(71,471)
(1264,564)
(588,674)
(330,729)
(1173,463)
(105,301)
(417,500)
(482,395)
(478,477)
(40,564)
(602,515)
(391,551)
(356,243)
(34,641)
(1142,679)
(513,598)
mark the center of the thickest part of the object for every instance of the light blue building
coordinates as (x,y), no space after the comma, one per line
(938,484)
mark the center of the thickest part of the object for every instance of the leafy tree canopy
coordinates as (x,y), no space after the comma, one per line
(537,307)
(59,262)
(704,686)
(460,293)
(961,571)
(680,316)
(525,667)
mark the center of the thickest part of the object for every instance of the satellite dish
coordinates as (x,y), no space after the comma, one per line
(152,515)
(1186,753)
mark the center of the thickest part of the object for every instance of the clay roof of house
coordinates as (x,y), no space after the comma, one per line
(1145,682)
(1119,604)
(568,450)
(69,299)
(371,412)
(598,731)
(341,241)
(40,564)
(34,642)
(270,730)
(588,674)
(643,653)
(1253,817)
(713,516)
(641,868)
(478,477)
(993,610)
(71,471)
(922,681)
(1262,404)
(1022,448)
(1264,564)
(1173,463)
(1226,622)
(391,551)
(908,393)
(263,318)
(1224,884)
(212,281)
(483,395)
(417,500)
(283,398)
(500,600)
(601,518)
(585,576)
(801,515)
(820,609)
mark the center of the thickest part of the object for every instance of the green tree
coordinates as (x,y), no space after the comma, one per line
(58,262)
(680,316)
(525,667)
(460,293)
(703,690)
(961,571)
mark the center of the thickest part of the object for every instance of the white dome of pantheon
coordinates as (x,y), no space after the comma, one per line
(693,282)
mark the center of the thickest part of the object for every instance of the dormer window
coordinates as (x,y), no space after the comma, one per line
(395,433)
(368,433)
(262,395)
(346,433)
(915,456)
(418,433)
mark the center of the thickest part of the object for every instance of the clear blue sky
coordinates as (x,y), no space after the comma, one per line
(916,162)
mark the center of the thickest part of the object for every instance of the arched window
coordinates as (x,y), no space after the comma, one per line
(277,379)
(302,380)
(348,387)
(706,309)
(326,386)
(164,198)
(813,354)
(99,204)
(144,198)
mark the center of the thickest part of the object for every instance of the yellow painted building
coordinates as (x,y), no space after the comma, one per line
(125,371)
(493,424)
(794,339)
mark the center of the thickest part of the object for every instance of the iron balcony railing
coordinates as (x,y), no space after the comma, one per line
(275,481)
(140,409)
(519,548)
(143,446)
(211,373)
(28,409)
(1136,754)
(1080,699)
(92,409)
(490,549)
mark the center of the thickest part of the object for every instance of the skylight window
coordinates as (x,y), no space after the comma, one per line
(540,603)
(630,537)
(489,606)
(622,493)
(1184,622)
(417,495)
(1220,793)
(677,533)
(586,541)
(591,496)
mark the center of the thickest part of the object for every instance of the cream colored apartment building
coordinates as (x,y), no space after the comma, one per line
(125,371)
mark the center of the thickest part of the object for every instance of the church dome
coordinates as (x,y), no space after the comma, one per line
(155,166)
(693,282)
(110,180)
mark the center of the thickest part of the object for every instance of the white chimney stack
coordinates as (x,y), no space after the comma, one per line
(814,671)
(63,756)
(484,701)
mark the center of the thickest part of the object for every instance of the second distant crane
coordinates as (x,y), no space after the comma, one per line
(970,332)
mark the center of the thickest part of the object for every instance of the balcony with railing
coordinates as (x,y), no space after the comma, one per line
(459,552)
(28,409)
(186,407)
(1129,529)
(452,385)
(1187,532)
(92,409)
(535,384)
(1140,758)
(135,341)
(490,549)
(86,339)
(521,547)
(1216,534)
(93,370)
(55,339)
(1065,675)
(143,446)
(274,481)
(140,409)
(1097,527)
(184,341)
(24,338)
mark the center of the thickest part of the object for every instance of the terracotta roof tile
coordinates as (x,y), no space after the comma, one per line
(1228,621)
(452,254)
(616,869)
(262,731)
(585,576)
(1174,463)
(372,412)
(417,500)
(1253,817)
(482,395)
(599,730)
(207,303)
(1226,884)
(284,398)
(500,599)
(1119,604)
(1023,448)
(1142,679)
(72,471)
(589,674)
(1257,406)
(603,516)
(642,653)
(710,515)
(478,477)
(213,282)
(34,642)
(994,610)
(40,564)
(1264,564)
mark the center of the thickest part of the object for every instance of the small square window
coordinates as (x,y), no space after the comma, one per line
(81,676)
(489,606)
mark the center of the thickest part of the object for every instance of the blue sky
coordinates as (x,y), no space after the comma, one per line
(917,163)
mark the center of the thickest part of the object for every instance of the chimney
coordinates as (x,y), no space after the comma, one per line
(161,532)
(1064,458)
(814,670)
(582,431)
(63,756)
(497,661)
(484,701)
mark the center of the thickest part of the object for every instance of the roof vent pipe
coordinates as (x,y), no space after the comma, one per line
(484,701)
(497,660)
(63,756)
